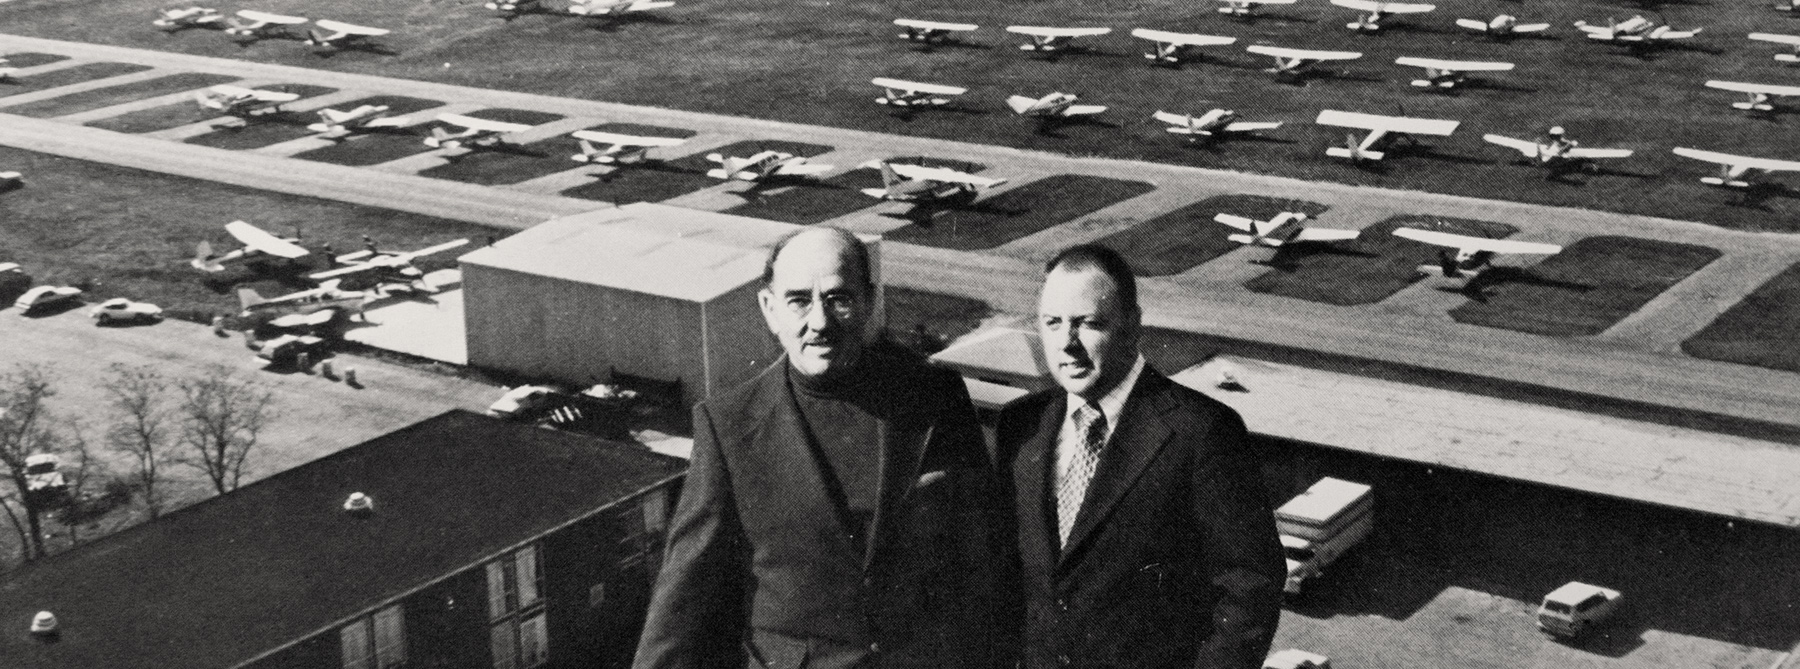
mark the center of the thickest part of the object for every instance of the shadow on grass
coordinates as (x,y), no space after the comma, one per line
(1588,287)
(336,50)
(1188,237)
(1477,287)
(1290,256)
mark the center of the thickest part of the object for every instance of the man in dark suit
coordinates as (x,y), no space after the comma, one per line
(1145,537)
(841,510)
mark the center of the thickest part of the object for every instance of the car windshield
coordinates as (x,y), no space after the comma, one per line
(1556,607)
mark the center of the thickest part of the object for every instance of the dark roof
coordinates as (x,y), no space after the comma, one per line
(219,582)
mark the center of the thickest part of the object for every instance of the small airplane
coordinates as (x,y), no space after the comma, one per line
(255,25)
(1382,130)
(605,7)
(307,307)
(388,267)
(342,34)
(188,17)
(917,183)
(1557,153)
(1734,168)
(1247,8)
(1447,74)
(1170,46)
(256,243)
(1047,40)
(1502,26)
(1636,31)
(931,31)
(908,94)
(475,133)
(762,165)
(1790,40)
(1210,125)
(1759,94)
(1263,233)
(11,180)
(620,149)
(5,71)
(1371,21)
(1053,105)
(243,102)
(1294,62)
(1473,254)
(514,7)
(334,124)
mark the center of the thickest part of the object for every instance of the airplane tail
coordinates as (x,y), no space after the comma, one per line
(316,38)
(203,259)
(587,152)
(248,297)
(888,177)
(439,139)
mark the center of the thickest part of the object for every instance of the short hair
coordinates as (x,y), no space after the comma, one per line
(858,253)
(1106,261)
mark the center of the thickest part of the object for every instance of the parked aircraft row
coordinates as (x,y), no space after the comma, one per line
(588,8)
(252,25)
(380,268)
(1463,256)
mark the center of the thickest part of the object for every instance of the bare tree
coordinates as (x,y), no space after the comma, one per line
(83,472)
(221,417)
(26,430)
(139,398)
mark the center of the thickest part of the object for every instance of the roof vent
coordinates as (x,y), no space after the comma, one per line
(44,623)
(359,504)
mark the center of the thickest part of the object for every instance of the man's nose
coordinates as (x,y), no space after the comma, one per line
(1072,344)
(819,316)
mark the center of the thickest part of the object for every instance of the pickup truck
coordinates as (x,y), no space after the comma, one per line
(1318,526)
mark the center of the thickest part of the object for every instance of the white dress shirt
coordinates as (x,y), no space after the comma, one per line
(1069,439)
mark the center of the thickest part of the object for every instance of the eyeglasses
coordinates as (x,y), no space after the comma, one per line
(839,305)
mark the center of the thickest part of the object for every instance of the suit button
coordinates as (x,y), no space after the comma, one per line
(875,648)
(1062,603)
(1064,660)
(868,581)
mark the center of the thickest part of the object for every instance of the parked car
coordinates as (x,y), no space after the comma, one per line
(121,310)
(46,296)
(523,400)
(1294,658)
(287,349)
(1573,608)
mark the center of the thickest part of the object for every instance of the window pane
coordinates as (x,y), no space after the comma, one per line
(354,639)
(534,640)
(496,578)
(390,637)
(501,639)
(527,572)
(656,510)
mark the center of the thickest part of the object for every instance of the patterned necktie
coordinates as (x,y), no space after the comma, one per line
(1071,485)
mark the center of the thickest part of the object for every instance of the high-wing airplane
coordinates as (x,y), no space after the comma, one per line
(917,183)
(188,17)
(1472,254)
(908,94)
(252,24)
(1171,47)
(475,133)
(307,307)
(762,165)
(1052,39)
(620,149)
(1287,224)
(1382,129)
(334,124)
(256,243)
(11,180)
(1636,31)
(931,31)
(1556,153)
(1790,40)
(1447,74)
(1734,168)
(386,267)
(1293,62)
(1504,25)
(1247,8)
(605,7)
(1371,20)
(1759,94)
(242,102)
(342,34)
(1052,105)
(1210,125)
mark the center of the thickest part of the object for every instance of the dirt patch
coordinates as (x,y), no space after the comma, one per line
(1760,330)
(1584,290)
(1020,212)
(1370,268)
(1174,242)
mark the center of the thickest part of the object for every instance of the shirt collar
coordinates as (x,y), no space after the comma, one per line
(1113,402)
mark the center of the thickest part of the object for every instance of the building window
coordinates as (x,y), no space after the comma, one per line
(518,633)
(376,641)
(642,544)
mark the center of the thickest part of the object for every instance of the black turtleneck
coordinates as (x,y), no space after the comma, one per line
(842,416)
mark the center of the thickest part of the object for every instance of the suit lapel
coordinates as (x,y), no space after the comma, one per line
(903,441)
(1140,435)
(1032,475)
(791,460)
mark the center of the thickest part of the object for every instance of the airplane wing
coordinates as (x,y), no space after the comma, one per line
(350,29)
(1020,103)
(1791,40)
(797,168)
(1406,8)
(1325,235)
(240,91)
(1596,32)
(942,174)
(1172,119)
(1528,148)
(1248,126)
(482,124)
(1270,2)
(1083,110)
(1467,242)
(1186,39)
(1530,27)
(645,5)
(1765,164)
(1308,54)
(1359,5)
(625,140)
(1766,89)
(1676,34)
(266,17)
(274,96)
(1416,126)
(320,317)
(1472,24)
(1454,65)
(1239,222)
(439,248)
(256,238)
(933,25)
(1040,31)
(1597,153)
(388,122)
(341,271)
(917,87)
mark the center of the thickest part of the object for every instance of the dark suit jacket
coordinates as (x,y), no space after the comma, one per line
(1173,561)
(760,569)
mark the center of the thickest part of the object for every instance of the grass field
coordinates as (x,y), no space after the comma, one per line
(32,59)
(1762,330)
(1020,212)
(1584,290)
(65,76)
(810,61)
(136,231)
(75,103)
(1187,237)
(187,112)
(1377,264)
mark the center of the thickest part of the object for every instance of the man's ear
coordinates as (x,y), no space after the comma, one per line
(765,299)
